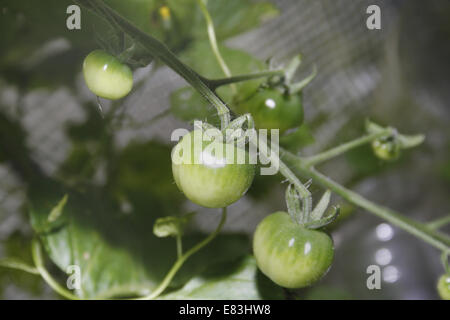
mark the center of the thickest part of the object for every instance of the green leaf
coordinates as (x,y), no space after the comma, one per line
(233,17)
(186,103)
(239,280)
(323,292)
(200,57)
(115,251)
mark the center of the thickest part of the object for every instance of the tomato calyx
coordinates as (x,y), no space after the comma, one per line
(317,218)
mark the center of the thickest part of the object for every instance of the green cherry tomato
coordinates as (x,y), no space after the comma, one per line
(209,173)
(106,76)
(385,149)
(289,254)
(443,287)
(270,108)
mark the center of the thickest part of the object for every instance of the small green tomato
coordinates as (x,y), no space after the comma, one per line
(443,287)
(386,149)
(106,76)
(208,172)
(291,255)
(270,107)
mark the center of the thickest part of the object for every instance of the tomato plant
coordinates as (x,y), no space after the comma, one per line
(106,76)
(105,197)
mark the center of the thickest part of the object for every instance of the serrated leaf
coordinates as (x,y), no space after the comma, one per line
(238,280)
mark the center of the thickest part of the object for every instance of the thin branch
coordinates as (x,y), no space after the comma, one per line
(439,223)
(212,38)
(436,239)
(216,83)
(173,271)
(39,262)
(334,152)
(16,264)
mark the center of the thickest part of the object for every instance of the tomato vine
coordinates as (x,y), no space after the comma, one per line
(291,165)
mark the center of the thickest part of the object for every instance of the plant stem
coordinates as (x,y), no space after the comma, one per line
(38,261)
(216,83)
(168,278)
(334,152)
(179,246)
(160,50)
(212,38)
(18,265)
(438,240)
(439,223)
(305,195)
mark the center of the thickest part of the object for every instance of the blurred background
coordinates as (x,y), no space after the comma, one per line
(50,127)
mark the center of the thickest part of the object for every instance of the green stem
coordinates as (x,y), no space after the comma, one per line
(212,38)
(290,176)
(216,83)
(439,223)
(160,50)
(38,261)
(168,278)
(334,152)
(18,265)
(179,246)
(417,229)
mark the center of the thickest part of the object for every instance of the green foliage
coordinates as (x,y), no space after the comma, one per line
(186,103)
(15,260)
(239,279)
(104,242)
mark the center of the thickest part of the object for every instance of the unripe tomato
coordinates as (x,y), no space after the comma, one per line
(443,287)
(385,149)
(106,76)
(289,254)
(207,177)
(270,107)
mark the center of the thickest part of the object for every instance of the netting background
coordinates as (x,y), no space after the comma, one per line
(398,74)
